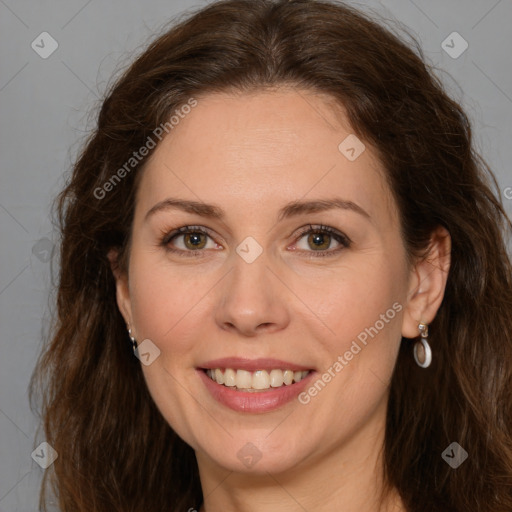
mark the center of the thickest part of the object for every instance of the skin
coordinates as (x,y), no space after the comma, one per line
(250,155)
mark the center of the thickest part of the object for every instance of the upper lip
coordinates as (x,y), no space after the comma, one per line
(252,365)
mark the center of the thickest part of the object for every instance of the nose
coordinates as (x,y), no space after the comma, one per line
(252,299)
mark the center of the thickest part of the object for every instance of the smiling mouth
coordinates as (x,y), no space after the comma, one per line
(253,382)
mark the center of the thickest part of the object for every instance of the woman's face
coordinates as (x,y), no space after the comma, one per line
(259,296)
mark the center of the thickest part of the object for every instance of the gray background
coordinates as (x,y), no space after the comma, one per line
(46,109)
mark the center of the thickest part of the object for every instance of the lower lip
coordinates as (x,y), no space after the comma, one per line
(255,402)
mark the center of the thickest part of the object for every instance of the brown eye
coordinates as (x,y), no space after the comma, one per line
(194,240)
(189,241)
(319,241)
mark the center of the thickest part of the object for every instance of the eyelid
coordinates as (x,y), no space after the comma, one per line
(167,235)
(345,242)
(321,228)
(340,237)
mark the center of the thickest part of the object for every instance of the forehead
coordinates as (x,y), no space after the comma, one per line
(265,148)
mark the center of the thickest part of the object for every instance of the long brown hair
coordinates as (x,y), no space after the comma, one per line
(116,451)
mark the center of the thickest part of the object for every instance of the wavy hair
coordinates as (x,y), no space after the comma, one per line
(116,451)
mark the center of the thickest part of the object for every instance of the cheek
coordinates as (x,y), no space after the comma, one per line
(163,299)
(362,308)
(363,311)
(356,297)
(165,304)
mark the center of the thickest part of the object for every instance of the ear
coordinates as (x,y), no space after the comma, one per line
(122,288)
(427,284)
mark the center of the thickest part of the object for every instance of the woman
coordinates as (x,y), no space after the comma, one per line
(284,283)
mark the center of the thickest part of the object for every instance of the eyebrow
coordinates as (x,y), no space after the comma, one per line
(290,210)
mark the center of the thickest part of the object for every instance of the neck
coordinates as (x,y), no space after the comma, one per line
(347,477)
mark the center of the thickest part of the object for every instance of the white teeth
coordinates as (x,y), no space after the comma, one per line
(243,379)
(230,377)
(219,376)
(276,378)
(258,380)
(288,377)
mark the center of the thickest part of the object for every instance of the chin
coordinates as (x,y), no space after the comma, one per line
(256,455)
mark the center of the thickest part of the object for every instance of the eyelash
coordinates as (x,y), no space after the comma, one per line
(342,239)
